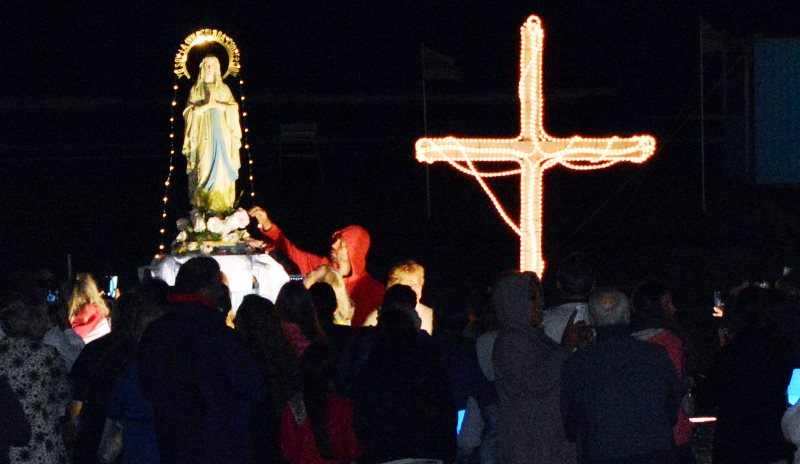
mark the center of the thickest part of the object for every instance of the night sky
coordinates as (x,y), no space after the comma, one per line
(86,95)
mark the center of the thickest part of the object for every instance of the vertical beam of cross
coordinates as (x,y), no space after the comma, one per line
(534,151)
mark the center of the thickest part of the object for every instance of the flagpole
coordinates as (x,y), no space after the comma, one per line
(425,127)
(424,96)
(702,123)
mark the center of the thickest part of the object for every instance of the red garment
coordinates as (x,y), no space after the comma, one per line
(362,288)
(682,430)
(89,319)
(298,445)
(296,338)
(189,298)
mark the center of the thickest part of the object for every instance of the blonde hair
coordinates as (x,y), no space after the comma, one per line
(85,292)
(329,275)
(404,269)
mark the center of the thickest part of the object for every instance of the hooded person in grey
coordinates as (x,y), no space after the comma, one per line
(528,374)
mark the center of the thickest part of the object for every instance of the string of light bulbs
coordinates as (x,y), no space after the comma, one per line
(246,141)
(180,69)
(162,246)
(534,150)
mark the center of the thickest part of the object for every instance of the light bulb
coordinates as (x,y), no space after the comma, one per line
(533,151)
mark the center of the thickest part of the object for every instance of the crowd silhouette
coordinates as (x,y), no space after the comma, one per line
(174,374)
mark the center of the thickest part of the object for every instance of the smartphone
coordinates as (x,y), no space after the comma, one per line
(460,420)
(111,286)
(719,302)
(52,296)
(793,389)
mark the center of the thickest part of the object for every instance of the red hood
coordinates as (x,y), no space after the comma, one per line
(357,240)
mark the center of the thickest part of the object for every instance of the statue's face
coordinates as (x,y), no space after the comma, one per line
(211,67)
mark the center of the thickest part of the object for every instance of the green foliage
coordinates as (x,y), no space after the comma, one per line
(213,203)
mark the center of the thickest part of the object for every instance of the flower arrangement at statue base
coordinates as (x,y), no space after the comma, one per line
(210,233)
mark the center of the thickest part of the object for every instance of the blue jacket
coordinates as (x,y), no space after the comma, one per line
(202,382)
(620,396)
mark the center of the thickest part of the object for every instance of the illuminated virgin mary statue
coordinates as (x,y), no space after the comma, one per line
(211,140)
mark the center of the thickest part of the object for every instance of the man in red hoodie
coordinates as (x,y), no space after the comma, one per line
(349,248)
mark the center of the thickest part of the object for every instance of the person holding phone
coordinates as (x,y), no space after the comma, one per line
(746,382)
(527,367)
(575,281)
(619,397)
(88,312)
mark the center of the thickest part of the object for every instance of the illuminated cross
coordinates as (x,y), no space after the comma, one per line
(534,150)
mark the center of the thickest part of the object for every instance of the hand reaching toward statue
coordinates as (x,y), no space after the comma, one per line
(257,212)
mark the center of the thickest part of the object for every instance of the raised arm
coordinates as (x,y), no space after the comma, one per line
(305,261)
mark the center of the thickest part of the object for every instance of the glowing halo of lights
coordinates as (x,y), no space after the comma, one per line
(202,37)
(196,39)
(534,151)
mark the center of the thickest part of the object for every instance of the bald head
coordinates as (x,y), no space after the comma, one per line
(609,307)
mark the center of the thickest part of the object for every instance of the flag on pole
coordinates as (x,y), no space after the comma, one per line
(436,66)
(712,40)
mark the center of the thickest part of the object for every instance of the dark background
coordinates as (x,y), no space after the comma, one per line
(85,103)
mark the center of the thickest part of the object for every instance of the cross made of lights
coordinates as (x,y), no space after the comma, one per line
(534,150)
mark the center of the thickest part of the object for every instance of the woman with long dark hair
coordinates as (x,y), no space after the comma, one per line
(652,314)
(260,326)
(317,424)
(300,323)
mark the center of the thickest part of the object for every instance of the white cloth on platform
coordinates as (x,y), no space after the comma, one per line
(247,274)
